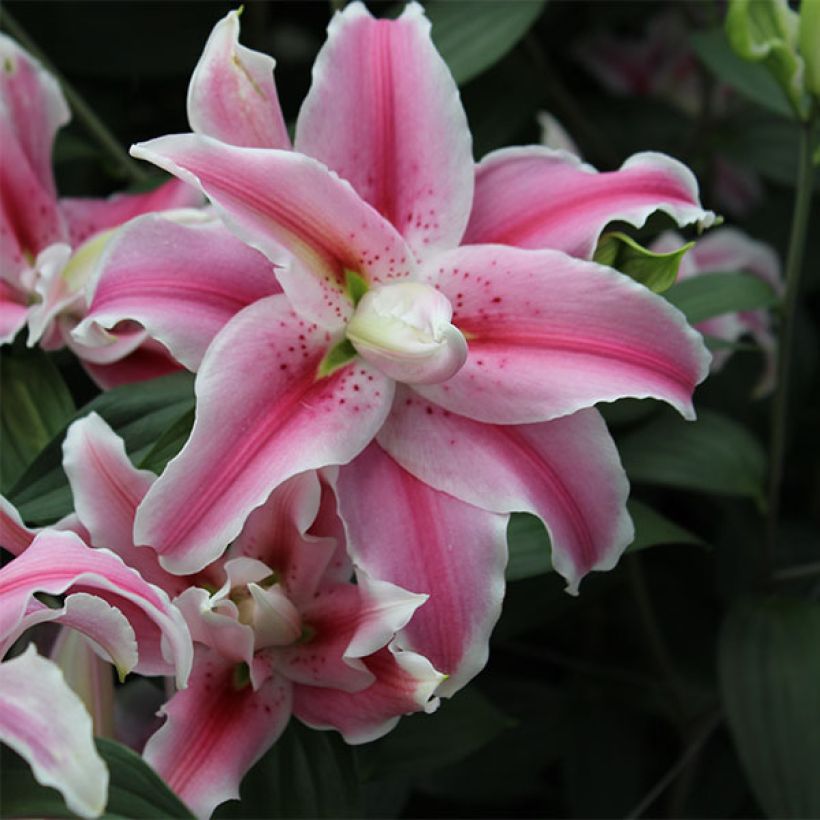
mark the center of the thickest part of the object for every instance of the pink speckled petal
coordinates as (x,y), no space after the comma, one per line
(281,419)
(59,562)
(565,471)
(153,272)
(232,95)
(215,731)
(384,113)
(13,311)
(549,334)
(46,723)
(404,683)
(86,216)
(404,531)
(298,213)
(539,198)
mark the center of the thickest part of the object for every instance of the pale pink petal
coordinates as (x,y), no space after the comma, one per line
(232,95)
(15,536)
(46,723)
(13,310)
(215,731)
(181,278)
(104,624)
(300,215)
(384,113)
(539,198)
(549,334)
(406,532)
(149,361)
(107,489)
(565,471)
(33,105)
(108,347)
(554,135)
(405,683)
(86,217)
(51,294)
(59,562)
(282,419)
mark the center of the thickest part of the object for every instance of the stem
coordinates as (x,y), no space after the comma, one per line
(678,766)
(794,266)
(92,123)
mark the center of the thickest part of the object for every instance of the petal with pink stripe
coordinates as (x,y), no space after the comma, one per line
(13,310)
(264,414)
(384,113)
(566,471)
(536,197)
(549,334)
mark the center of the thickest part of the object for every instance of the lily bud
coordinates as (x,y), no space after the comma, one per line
(404,329)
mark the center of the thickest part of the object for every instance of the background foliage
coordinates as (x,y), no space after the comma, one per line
(683,683)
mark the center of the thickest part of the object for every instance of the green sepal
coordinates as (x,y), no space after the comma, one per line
(355,285)
(241,676)
(338,356)
(657,271)
(767,31)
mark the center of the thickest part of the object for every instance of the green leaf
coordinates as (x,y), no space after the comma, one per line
(306,773)
(36,405)
(140,413)
(769,668)
(766,31)
(712,454)
(652,528)
(809,40)
(658,271)
(712,294)
(134,790)
(750,79)
(169,443)
(423,743)
(472,35)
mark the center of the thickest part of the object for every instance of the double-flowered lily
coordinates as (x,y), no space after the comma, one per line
(442,333)
(49,246)
(282,624)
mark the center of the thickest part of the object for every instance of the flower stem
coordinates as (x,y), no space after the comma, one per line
(129,168)
(794,266)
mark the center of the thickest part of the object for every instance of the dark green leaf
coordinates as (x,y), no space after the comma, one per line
(169,443)
(422,743)
(140,413)
(473,35)
(770,680)
(712,454)
(712,294)
(751,79)
(305,774)
(657,271)
(529,547)
(652,528)
(36,405)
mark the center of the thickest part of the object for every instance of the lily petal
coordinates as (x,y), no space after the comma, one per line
(216,729)
(566,471)
(549,334)
(15,536)
(154,273)
(46,723)
(298,213)
(88,216)
(384,113)
(13,309)
(404,683)
(232,95)
(536,197)
(282,419)
(149,361)
(404,531)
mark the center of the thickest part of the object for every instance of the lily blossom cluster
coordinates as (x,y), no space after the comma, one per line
(395,348)
(49,245)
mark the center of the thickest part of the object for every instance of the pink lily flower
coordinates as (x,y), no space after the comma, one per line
(278,626)
(48,246)
(732,250)
(500,347)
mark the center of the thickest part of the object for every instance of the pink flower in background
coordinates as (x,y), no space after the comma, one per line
(48,246)
(279,626)
(731,250)
(500,349)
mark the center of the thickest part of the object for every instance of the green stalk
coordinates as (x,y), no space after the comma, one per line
(794,266)
(129,168)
